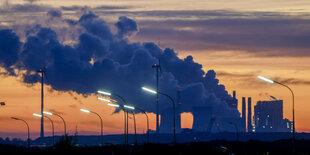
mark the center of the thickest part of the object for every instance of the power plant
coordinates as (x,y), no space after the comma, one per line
(204,119)
(268,117)
(121,66)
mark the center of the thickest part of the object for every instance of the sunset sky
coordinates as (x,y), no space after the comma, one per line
(238,39)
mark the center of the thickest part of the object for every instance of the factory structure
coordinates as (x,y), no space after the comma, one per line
(203,120)
(267,117)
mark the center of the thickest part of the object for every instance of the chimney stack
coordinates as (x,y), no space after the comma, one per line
(234,102)
(243,118)
(250,114)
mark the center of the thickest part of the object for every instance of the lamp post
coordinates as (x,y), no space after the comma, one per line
(53,135)
(135,127)
(101,124)
(134,120)
(134,117)
(147,124)
(125,113)
(293,105)
(65,128)
(28,130)
(173,104)
(125,120)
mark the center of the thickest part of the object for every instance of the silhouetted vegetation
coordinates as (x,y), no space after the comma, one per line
(66,142)
(221,147)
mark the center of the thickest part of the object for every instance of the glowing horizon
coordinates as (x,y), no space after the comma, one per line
(211,32)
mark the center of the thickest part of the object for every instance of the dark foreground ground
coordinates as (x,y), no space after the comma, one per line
(281,147)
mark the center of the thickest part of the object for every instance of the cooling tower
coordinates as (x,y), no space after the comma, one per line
(202,118)
(166,121)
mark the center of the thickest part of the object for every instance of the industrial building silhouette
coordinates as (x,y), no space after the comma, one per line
(268,117)
(203,120)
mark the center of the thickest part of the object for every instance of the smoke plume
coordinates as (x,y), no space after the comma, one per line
(105,60)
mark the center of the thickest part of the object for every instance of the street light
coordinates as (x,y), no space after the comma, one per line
(129,107)
(110,94)
(149,90)
(113,105)
(134,120)
(49,113)
(53,136)
(28,139)
(265,79)
(133,114)
(272,81)
(103,99)
(84,110)
(173,104)
(125,113)
(101,124)
(104,93)
(147,123)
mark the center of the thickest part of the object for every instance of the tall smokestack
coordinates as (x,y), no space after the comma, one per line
(250,114)
(243,113)
(234,102)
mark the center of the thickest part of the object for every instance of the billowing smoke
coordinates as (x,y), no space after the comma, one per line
(9,50)
(107,60)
